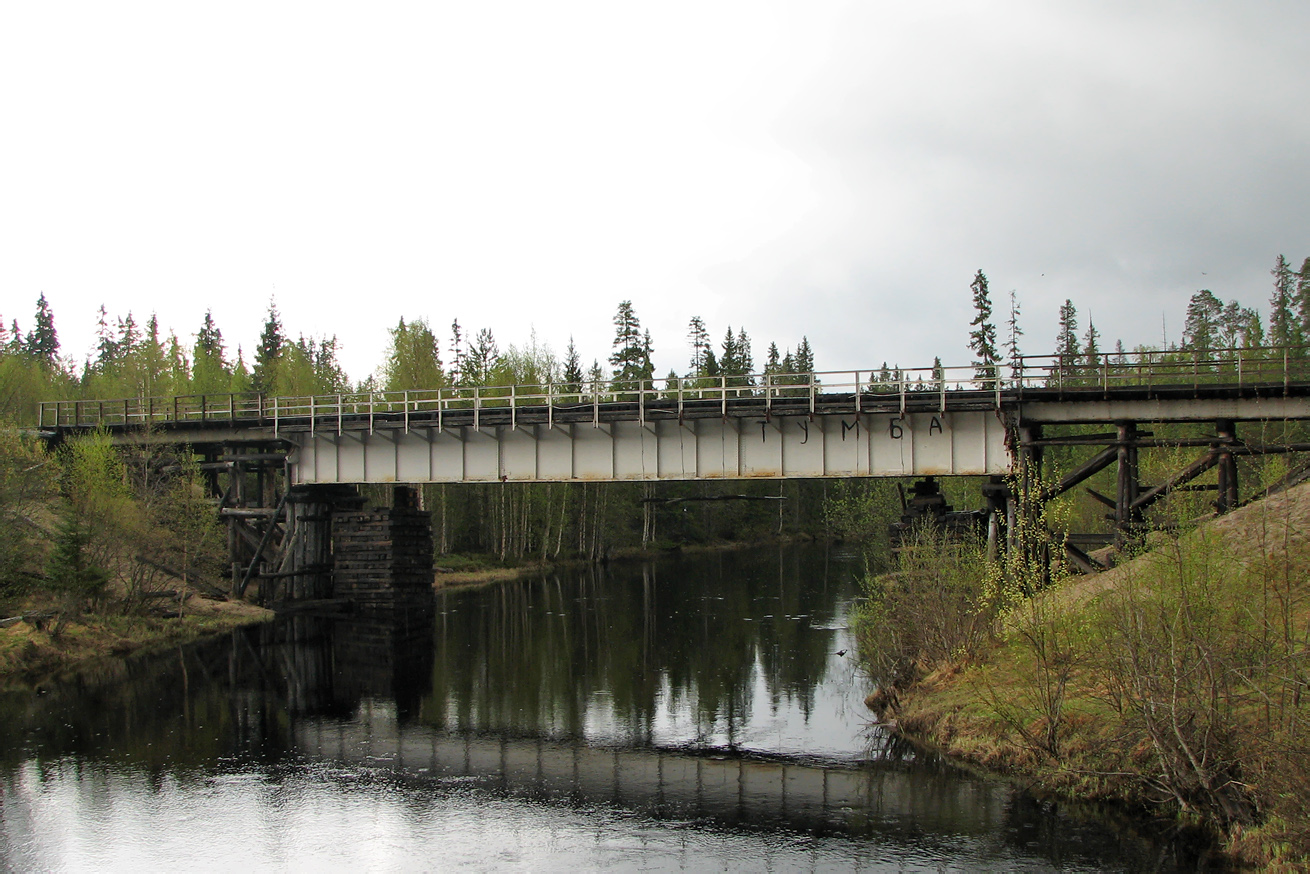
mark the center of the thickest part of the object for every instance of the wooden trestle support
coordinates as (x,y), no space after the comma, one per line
(282,538)
(1132,498)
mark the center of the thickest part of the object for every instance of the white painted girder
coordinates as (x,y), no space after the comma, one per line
(918,444)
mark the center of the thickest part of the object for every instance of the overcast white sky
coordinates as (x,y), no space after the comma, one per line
(825,168)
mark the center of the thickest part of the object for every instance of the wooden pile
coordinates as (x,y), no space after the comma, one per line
(382,558)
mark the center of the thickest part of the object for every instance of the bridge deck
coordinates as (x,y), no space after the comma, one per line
(842,424)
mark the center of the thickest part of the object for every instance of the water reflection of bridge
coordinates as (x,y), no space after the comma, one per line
(811,796)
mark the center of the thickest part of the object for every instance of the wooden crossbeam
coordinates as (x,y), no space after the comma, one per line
(268,535)
(1091,467)
(1193,470)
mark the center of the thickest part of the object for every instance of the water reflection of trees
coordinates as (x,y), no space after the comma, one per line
(234,696)
(556,655)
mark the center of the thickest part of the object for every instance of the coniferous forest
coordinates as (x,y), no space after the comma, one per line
(139,357)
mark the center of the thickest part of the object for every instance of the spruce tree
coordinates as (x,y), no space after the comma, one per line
(700,346)
(804,357)
(269,352)
(1066,339)
(106,345)
(572,369)
(1012,342)
(631,355)
(729,360)
(456,353)
(1303,299)
(1283,327)
(982,339)
(745,358)
(42,341)
(1091,349)
(240,374)
(210,372)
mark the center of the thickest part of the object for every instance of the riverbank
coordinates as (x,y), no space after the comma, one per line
(1177,683)
(29,654)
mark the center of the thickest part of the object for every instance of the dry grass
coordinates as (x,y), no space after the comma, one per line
(1248,578)
(28,653)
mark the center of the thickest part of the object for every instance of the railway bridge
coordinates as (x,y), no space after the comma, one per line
(280,466)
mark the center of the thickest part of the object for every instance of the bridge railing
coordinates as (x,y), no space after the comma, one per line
(1270,366)
(859,388)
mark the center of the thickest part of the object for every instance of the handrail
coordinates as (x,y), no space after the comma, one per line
(1149,369)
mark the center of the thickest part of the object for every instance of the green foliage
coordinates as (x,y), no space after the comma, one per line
(309,367)
(189,519)
(532,363)
(1205,312)
(24,486)
(413,358)
(939,606)
(70,571)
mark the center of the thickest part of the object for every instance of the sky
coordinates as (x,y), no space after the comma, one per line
(826,169)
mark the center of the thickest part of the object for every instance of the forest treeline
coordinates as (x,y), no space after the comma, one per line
(132,360)
(516,521)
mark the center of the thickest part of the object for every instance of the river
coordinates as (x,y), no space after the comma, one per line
(694,713)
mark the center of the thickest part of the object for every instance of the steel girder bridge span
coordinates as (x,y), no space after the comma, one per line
(996,422)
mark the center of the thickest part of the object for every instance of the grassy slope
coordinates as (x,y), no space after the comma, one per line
(1243,580)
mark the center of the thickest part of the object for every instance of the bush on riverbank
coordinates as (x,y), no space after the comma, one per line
(92,529)
(1180,679)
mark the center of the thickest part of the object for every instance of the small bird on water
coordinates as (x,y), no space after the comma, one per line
(841,652)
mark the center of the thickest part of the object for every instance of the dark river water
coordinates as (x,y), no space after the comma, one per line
(688,714)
